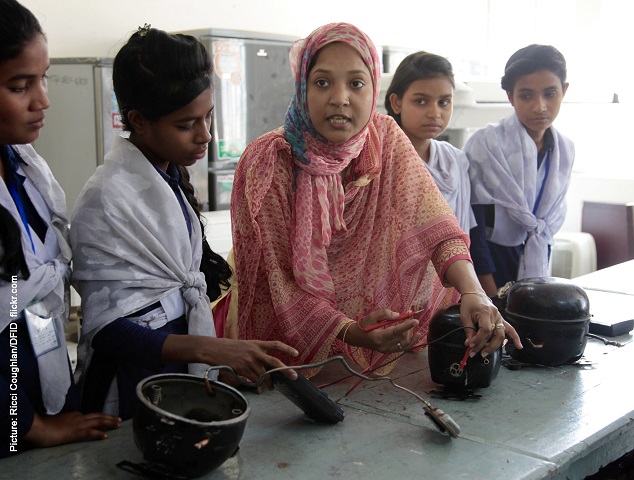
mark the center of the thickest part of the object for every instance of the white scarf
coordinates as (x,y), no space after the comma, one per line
(132,248)
(449,167)
(48,282)
(503,171)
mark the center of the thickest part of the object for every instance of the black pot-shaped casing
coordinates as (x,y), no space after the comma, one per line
(446,350)
(551,316)
(184,430)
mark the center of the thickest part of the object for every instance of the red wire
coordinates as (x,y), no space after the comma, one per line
(384,323)
(463,362)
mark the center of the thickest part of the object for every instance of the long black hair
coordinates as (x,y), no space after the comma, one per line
(18,26)
(157,73)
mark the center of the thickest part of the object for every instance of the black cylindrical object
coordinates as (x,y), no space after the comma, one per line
(551,316)
(185,427)
(446,351)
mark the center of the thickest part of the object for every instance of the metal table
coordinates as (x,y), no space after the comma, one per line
(559,422)
(617,278)
(533,423)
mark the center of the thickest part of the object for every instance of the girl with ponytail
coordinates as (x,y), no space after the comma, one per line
(142,265)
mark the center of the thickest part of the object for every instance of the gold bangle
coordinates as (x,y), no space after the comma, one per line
(346,328)
(479,294)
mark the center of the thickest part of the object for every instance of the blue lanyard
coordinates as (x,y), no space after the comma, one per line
(541,190)
(18,203)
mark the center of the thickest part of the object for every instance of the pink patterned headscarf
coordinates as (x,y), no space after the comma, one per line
(319,194)
(306,265)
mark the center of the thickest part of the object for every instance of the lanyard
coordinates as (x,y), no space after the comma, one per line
(541,190)
(11,186)
(18,203)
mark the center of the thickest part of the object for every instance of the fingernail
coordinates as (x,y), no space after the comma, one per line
(484,354)
(472,354)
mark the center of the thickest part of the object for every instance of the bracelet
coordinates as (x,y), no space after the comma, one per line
(479,294)
(346,328)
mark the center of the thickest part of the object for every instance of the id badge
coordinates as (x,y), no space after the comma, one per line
(42,329)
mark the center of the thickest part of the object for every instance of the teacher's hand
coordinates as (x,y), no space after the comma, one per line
(492,328)
(392,338)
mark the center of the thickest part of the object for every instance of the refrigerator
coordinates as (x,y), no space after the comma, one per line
(81,122)
(253,86)
(392,56)
(252,89)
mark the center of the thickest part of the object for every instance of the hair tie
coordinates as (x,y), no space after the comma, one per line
(143,31)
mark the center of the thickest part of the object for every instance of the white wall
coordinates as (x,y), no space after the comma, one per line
(478,36)
(97,27)
(594,189)
(604,162)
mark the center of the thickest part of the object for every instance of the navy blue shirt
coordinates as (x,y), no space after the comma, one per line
(489,257)
(128,352)
(117,345)
(172,177)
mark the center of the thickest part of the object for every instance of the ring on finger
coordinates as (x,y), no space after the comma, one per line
(499,325)
(398,344)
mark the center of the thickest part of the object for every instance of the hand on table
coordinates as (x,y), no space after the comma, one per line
(69,427)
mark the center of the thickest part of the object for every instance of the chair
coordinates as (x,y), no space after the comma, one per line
(612,226)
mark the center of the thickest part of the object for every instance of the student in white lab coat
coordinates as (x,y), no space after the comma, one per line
(38,403)
(520,172)
(420,98)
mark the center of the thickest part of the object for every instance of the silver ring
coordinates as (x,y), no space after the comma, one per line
(398,344)
(499,325)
